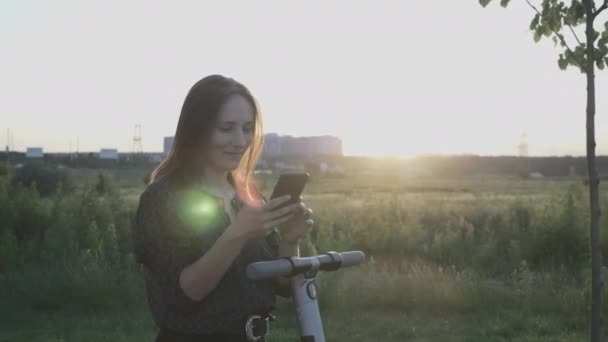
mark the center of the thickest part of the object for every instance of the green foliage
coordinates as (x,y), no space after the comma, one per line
(430,255)
(101,185)
(146,178)
(47,179)
(492,239)
(3,171)
(91,239)
(29,213)
(75,246)
(553,18)
(8,250)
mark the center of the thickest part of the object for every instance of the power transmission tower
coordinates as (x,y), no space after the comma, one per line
(137,147)
(523,145)
(522,149)
(8,148)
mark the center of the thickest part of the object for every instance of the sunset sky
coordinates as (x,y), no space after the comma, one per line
(388,77)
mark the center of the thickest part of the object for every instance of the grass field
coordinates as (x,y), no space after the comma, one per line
(475,259)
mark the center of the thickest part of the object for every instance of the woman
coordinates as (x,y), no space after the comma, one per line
(201,221)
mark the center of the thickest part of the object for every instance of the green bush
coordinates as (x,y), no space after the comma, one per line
(47,179)
(3,171)
(77,246)
(30,213)
(74,246)
(490,238)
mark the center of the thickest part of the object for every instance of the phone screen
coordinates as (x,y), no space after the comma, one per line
(290,184)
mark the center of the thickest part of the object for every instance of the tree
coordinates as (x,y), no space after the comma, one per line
(556,19)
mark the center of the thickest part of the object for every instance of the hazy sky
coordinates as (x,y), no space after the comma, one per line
(388,77)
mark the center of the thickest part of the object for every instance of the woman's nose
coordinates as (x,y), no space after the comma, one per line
(238,138)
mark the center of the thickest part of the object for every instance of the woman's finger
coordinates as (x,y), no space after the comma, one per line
(300,209)
(308,212)
(277,222)
(273,203)
(268,216)
(304,213)
(268,231)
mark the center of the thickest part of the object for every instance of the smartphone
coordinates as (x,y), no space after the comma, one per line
(290,183)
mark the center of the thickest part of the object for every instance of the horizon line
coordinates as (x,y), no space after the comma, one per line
(387,156)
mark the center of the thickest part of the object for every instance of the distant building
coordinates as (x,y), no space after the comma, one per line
(108,153)
(156,158)
(323,167)
(272,145)
(275,145)
(34,152)
(167,145)
(536,175)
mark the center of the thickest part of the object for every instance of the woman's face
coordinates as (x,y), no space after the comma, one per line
(231,135)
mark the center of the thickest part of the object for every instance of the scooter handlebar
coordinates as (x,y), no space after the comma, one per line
(329,261)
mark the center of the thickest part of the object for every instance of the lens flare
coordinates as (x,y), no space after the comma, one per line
(205,207)
(199,210)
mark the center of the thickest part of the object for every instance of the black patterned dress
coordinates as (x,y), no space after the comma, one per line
(174,226)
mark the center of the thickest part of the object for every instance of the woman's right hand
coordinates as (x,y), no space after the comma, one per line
(257,221)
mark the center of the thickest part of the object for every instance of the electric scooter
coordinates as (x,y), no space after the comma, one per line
(302,272)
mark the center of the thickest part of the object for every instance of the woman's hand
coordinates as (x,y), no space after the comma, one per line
(300,224)
(256,221)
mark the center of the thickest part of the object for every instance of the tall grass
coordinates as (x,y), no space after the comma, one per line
(439,251)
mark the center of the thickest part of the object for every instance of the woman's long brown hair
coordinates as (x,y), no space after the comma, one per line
(198,116)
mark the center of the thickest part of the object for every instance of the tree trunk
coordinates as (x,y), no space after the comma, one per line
(594,228)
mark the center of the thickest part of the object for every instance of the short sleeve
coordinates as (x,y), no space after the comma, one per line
(163,253)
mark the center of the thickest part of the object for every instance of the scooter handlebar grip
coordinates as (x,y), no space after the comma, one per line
(268,269)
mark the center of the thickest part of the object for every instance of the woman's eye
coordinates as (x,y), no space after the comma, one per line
(248,130)
(225,129)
